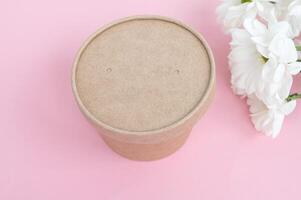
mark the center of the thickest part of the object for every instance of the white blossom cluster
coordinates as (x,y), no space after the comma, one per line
(264,56)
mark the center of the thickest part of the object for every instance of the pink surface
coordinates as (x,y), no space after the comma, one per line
(49,151)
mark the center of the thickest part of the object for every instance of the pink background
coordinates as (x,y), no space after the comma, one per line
(49,151)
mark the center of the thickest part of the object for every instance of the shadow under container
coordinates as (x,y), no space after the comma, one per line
(143,82)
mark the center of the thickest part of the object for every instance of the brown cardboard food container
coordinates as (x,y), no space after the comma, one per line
(143,82)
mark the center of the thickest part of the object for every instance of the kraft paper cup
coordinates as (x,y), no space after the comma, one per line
(143,82)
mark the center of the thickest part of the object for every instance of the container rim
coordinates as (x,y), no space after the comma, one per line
(172,126)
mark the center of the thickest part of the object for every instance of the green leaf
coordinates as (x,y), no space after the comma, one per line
(246,1)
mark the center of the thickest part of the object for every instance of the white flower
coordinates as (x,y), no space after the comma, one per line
(253,73)
(232,13)
(294,16)
(277,78)
(290,11)
(246,64)
(275,45)
(268,115)
(263,36)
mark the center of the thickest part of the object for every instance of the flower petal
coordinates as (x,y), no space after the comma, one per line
(294,68)
(284,48)
(254,27)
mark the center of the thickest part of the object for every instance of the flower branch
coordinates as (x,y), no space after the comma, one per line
(294,96)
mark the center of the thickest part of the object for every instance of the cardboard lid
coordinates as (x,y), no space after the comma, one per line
(142,74)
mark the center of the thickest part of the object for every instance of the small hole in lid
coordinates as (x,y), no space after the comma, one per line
(177,71)
(108,70)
